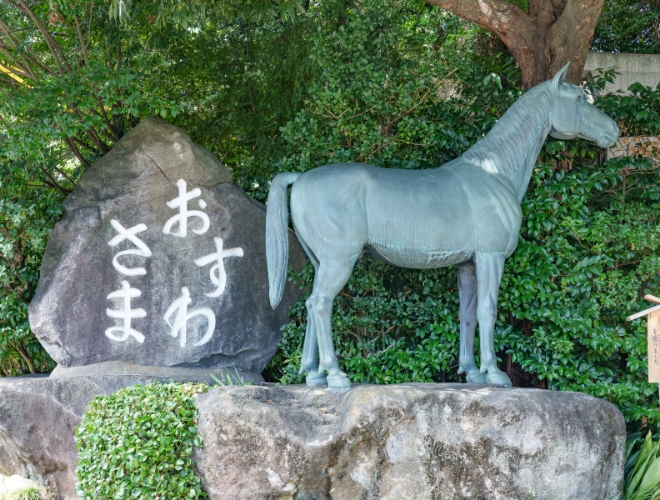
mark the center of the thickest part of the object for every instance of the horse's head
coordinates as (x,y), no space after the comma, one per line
(573,115)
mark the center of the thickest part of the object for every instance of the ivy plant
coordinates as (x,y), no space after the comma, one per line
(138,443)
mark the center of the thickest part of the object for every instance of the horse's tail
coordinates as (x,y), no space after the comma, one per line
(277,235)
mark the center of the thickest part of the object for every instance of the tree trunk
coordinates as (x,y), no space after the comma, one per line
(553,33)
(26,357)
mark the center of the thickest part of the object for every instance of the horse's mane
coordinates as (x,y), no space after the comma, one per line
(512,145)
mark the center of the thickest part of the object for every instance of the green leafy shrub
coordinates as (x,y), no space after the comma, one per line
(138,443)
(642,469)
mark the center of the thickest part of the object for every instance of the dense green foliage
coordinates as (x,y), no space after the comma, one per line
(26,217)
(398,84)
(138,443)
(628,26)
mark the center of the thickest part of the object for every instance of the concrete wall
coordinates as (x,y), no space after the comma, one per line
(643,68)
(647,147)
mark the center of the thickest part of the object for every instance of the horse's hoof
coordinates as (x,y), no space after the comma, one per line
(314,379)
(338,382)
(499,378)
(475,378)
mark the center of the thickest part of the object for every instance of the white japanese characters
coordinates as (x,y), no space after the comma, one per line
(182,218)
(129,234)
(126,293)
(217,274)
(179,308)
(180,305)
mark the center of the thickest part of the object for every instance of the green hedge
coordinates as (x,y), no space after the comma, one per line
(138,443)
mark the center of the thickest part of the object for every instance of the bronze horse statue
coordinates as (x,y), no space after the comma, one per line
(465,213)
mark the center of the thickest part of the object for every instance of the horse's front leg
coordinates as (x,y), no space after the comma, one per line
(489,268)
(467,294)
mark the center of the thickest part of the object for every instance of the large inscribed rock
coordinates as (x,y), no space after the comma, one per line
(158,260)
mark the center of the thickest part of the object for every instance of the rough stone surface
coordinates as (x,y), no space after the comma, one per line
(38,418)
(411,441)
(132,185)
(39,415)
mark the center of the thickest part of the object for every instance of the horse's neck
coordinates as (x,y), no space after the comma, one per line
(513,144)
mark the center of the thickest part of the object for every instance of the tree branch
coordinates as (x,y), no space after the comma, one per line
(504,19)
(83,46)
(113,131)
(66,177)
(97,140)
(53,183)
(26,357)
(83,144)
(74,149)
(54,47)
(510,23)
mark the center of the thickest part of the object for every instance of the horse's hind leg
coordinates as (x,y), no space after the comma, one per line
(310,359)
(489,268)
(467,294)
(331,277)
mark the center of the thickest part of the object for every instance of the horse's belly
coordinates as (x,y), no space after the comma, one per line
(418,258)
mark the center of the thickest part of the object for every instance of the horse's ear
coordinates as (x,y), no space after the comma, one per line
(559,77)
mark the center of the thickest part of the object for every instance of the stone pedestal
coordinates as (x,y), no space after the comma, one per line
(410,441)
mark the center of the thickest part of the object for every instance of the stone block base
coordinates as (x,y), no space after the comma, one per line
(409,441)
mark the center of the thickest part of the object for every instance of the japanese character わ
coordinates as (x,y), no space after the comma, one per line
(180,305)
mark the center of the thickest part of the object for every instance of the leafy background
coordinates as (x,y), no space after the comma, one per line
(394,83)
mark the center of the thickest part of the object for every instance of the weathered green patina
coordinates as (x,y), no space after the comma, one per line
(466,213)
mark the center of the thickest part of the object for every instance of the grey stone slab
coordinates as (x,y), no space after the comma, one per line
(412,441)
(175,373)
(132,186)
